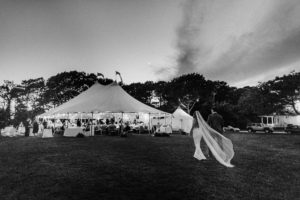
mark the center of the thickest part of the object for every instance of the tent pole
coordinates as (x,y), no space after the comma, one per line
(53,132)
(122,128)
(92,126)
(149,125)
(68,120)
(181,123)
(165,119)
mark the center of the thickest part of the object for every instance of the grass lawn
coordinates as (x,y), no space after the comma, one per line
(145,167)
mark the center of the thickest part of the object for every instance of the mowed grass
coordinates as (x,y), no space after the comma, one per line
(145,167)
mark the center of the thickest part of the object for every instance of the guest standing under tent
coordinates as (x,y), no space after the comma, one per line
(27,125)
(41,129)
(78,123)
(35,128)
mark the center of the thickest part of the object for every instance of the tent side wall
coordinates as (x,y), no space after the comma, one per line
(182,121)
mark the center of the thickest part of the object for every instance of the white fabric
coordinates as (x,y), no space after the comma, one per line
(92,132)
(9,131)
(164,129)
(197,135)
(73,132)
(80,116)
(100,98)
(220,146)
(47,133)
(182,121)
(21,130)
(58,123)
(41,129)
(31,133)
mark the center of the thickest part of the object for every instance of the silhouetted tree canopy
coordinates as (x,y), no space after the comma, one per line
(190,91)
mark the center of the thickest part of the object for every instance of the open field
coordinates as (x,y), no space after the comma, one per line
(145,167)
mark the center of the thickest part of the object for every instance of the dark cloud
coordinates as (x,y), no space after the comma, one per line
(270,45)
(187,33)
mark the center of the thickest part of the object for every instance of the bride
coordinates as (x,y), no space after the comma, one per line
(220,146)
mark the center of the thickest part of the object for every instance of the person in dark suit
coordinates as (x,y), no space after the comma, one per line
(215,121)
(27,125)
(78,123)
(35,128)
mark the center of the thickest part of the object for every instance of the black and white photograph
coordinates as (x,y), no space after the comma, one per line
(150,99)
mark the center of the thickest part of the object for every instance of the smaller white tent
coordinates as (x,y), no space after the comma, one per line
(182,121)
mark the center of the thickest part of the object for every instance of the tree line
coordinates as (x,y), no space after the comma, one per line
(238,106)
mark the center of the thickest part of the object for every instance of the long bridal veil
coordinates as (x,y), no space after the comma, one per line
(220,146)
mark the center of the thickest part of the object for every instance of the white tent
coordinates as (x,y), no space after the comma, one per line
(100,99)
(182,121)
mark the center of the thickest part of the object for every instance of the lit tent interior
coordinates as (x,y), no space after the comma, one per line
(103,99)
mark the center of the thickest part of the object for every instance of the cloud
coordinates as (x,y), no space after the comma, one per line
(162,72)
(238,40)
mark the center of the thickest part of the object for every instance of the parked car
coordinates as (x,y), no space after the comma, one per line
(253,127)
(292,129)
(231,128)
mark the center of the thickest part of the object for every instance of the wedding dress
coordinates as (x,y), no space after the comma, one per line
(220,146)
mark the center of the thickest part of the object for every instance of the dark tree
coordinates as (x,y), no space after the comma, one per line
(140,91)
(160,92)
(3,118)
(286,90)
(65,86)
(188,90)
(8,92)
(32,96)
(21,114)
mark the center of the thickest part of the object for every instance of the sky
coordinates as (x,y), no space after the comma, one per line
(241,42)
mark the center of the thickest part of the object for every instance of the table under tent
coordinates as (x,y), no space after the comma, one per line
(100,101)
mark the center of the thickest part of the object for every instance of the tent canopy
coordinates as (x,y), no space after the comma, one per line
(100,98)
(182,120)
